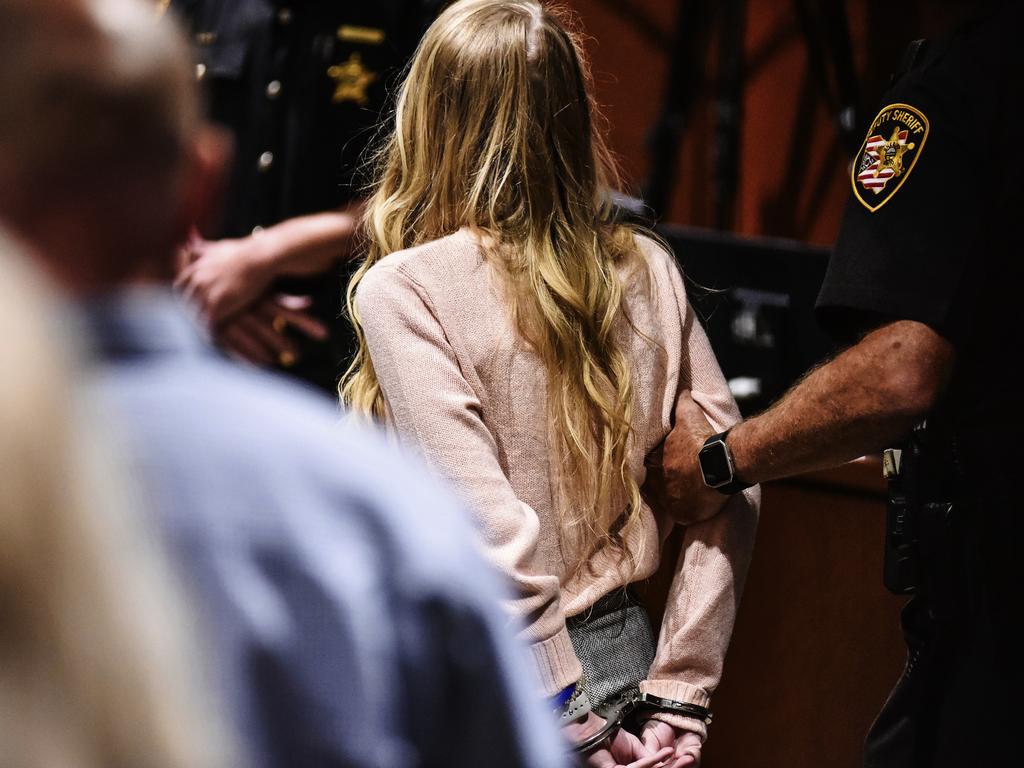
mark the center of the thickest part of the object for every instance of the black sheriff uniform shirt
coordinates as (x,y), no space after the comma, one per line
(931,230)
(302,85)
(931,233)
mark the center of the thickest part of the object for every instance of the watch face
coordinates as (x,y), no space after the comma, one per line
(714,463)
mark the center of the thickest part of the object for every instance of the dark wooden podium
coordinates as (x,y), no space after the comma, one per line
(817,645)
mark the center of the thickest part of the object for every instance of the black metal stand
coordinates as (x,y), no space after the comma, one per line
(825,30)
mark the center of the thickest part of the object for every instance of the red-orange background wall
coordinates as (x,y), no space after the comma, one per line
(793,174)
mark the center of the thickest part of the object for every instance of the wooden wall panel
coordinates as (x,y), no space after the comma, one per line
(817,645)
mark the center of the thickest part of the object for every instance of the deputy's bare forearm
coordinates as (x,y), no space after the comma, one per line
(864,399)
(308,245)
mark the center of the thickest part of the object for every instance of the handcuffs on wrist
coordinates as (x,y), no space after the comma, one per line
(616,714)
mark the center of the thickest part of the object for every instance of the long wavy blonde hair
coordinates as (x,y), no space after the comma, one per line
(495,130)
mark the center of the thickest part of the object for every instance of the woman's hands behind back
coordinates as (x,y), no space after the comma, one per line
(685,745)
(623,751)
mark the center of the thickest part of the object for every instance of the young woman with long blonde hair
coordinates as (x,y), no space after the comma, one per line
(533,348)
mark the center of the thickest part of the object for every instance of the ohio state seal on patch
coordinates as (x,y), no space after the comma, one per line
(893,144)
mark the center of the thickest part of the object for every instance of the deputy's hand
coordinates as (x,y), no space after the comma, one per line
(260,335)
(188,252)
(224,277)
(623,751)
(674,480)
(685,745)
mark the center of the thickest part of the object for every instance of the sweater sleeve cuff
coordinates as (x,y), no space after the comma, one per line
(556,663)
(679,691)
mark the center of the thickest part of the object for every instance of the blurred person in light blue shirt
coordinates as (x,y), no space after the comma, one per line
(347,616)
(95,670)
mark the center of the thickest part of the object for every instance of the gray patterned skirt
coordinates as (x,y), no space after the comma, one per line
(615,645)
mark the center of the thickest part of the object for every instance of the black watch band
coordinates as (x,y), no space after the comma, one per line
(718,467)
(732,488)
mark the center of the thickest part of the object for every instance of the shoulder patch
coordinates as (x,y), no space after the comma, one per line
(894,142)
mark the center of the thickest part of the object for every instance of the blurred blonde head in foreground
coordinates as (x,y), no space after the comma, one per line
(496,130)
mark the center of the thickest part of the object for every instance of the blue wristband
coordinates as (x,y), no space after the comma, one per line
(560,699)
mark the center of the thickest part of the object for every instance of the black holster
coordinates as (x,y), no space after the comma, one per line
(922,515)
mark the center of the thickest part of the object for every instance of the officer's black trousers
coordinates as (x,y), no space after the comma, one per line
(954,704)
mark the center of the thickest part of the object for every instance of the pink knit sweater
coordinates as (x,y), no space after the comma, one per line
(463,388)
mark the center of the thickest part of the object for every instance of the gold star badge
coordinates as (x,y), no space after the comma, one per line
(891,153)
(351,79)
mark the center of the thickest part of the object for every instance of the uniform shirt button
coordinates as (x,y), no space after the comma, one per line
(284,16)
(200,71)
(266,160)
(273,89)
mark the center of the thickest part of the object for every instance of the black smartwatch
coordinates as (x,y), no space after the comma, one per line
(718,467)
